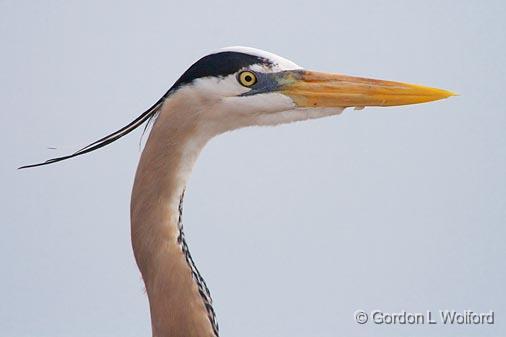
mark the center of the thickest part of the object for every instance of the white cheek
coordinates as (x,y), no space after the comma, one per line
(258,104)
(237,112)
(219,86)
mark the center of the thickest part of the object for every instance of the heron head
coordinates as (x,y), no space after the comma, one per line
(238,86)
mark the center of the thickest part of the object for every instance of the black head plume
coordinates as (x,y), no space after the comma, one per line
(145,116)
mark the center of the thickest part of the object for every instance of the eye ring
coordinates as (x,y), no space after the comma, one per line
(247,78)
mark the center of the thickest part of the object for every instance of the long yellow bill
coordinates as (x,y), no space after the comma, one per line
(316,89)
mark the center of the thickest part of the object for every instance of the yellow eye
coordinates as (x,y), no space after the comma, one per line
(247,78)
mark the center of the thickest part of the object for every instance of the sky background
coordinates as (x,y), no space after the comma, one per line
(294,227)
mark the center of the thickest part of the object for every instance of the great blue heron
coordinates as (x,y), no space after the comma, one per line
(230,89)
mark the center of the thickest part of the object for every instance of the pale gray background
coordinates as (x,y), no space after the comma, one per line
(293,227)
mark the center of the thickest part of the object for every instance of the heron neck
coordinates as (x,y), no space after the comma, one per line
(178,303)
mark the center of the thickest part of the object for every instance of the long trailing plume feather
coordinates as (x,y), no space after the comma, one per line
(145,116)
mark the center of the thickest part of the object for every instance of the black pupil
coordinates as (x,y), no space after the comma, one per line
(248,78)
